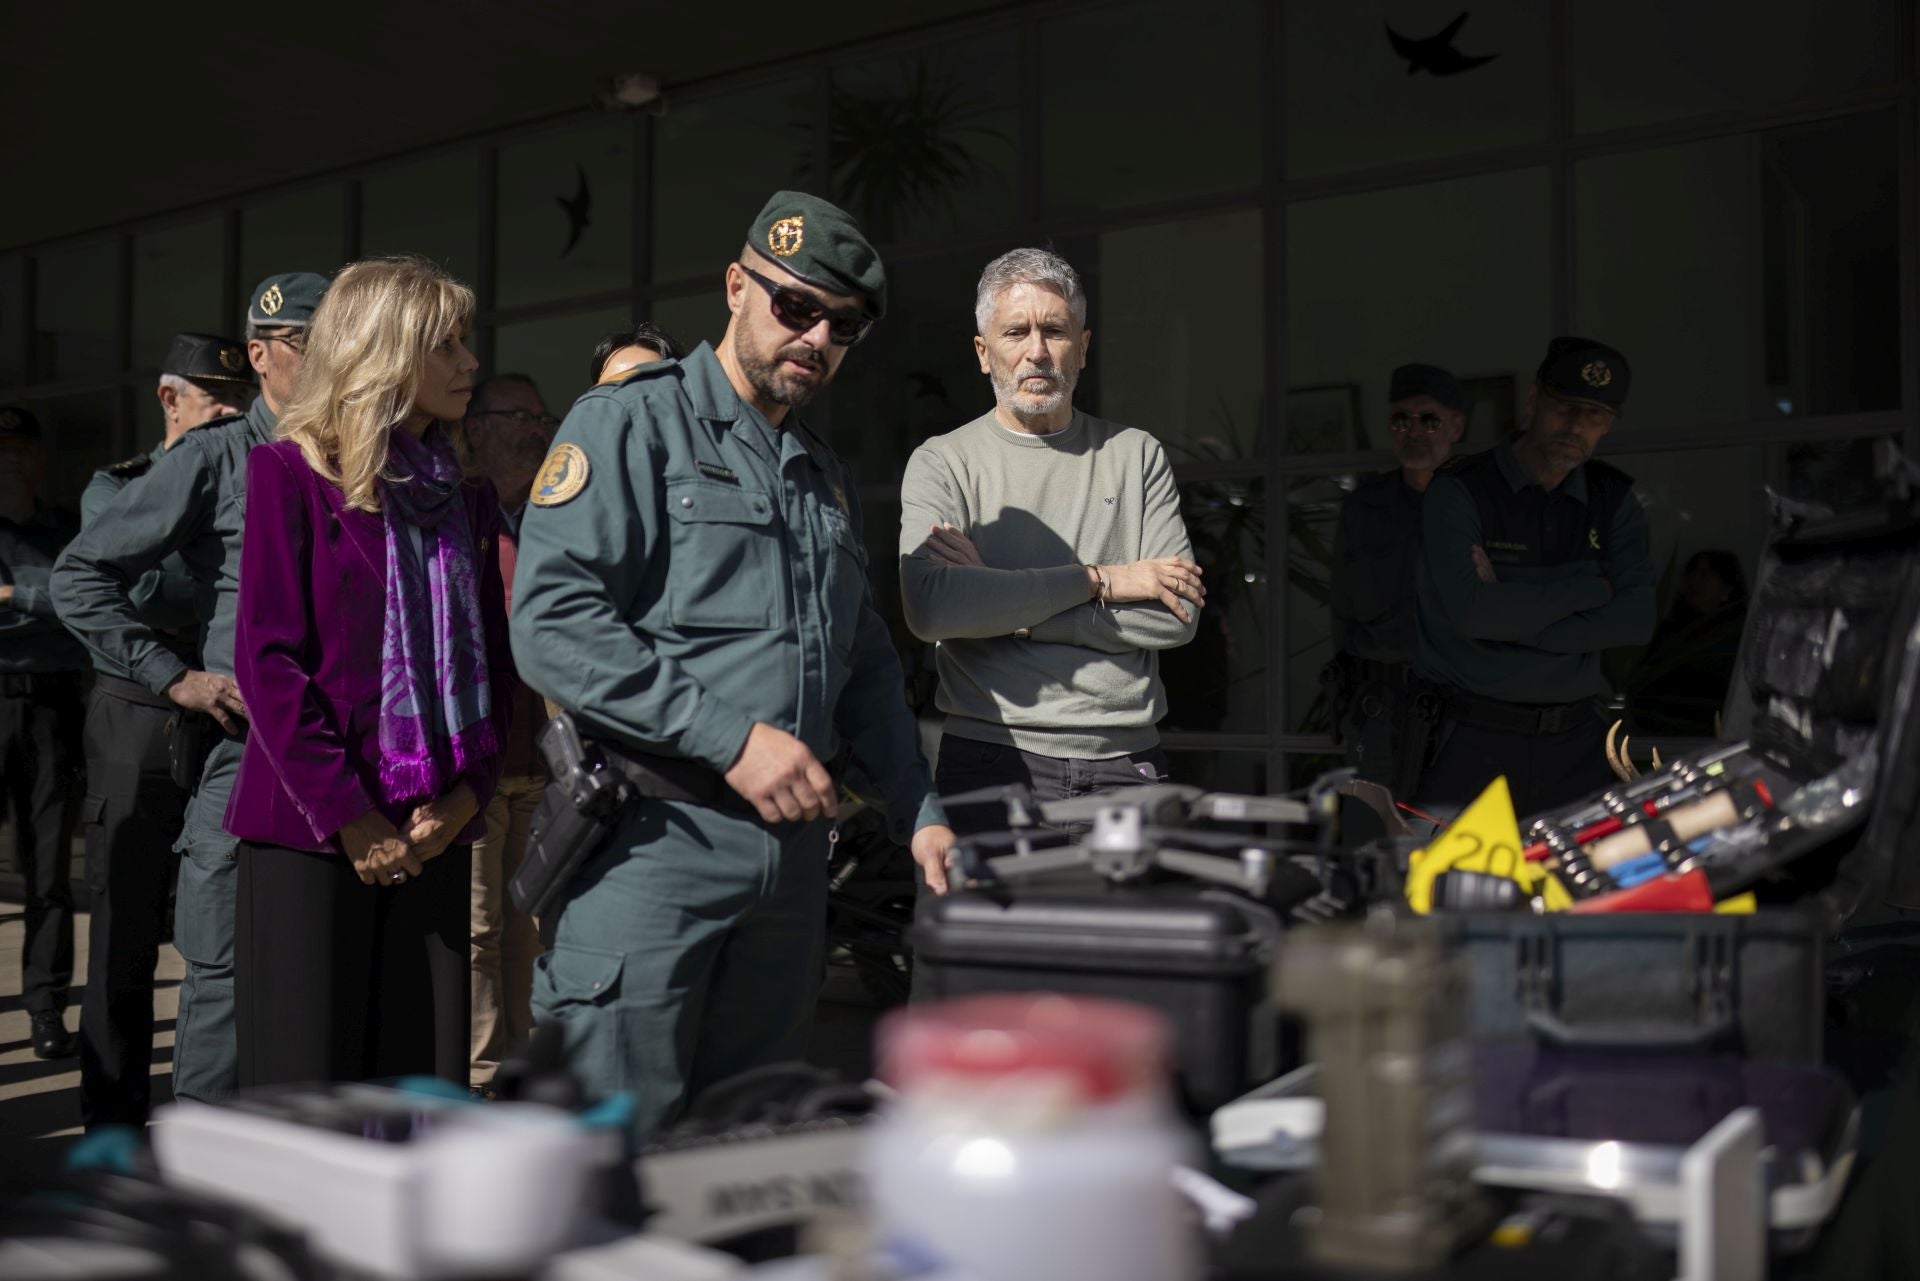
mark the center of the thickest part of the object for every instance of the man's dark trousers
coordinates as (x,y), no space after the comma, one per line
(1543,771)
(133,812)
(38,758)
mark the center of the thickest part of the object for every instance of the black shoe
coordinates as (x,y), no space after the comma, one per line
(51,1040)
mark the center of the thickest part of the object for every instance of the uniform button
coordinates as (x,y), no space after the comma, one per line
(686,502)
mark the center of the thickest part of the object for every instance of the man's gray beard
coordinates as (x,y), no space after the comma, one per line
(775,387)
(1006,389)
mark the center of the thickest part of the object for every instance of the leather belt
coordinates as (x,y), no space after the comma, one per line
(133,692)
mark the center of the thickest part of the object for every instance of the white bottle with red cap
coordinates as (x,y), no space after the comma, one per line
(1032,1137)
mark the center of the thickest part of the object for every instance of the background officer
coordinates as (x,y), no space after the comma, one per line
(693,586)
(1535,561)
(134,805)
(1375,549)
(40,666)
(191,503)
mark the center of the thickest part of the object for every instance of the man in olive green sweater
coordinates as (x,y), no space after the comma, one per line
(1042,550)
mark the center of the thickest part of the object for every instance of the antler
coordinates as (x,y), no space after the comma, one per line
(1618,758)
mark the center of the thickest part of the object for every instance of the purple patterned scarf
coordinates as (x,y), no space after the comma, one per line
(435,695)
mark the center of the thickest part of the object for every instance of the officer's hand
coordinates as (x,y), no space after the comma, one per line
(1482,567)
(213,694)
(432,827)
(778,776)
(6,595)
(946,545)
(380,855)
(930,847)
(1166,579)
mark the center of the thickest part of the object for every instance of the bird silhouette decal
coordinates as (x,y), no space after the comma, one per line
(576,210)
(1436,54)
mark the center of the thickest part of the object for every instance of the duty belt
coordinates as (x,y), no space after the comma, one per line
(133,692)
(1527,719)
(674,778)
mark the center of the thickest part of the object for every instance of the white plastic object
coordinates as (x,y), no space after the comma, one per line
(1032,1137)
(1723,1229)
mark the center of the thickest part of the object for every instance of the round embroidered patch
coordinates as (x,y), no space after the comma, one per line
(561,477)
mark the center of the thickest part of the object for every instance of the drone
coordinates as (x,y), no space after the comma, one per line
(1137,831)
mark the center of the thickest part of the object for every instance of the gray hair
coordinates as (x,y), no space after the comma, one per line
(1040,267)
(179,384)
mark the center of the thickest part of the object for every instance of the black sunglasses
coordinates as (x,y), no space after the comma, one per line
(801,312)
(1428,422)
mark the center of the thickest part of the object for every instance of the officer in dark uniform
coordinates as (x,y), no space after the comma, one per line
(40,667)
(1535,561)
(1371,594)
(692,585)
(135,806)
(192,503)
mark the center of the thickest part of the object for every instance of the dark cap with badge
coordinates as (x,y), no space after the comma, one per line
(1583,370)
(1409,381)
(285,299)
(206,358)
(822,245)
(18,424)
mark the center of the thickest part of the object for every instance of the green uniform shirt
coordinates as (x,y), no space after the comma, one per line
(1535,636)
(31,638)
(192,503)
(1376,546)
(709,574)
(165,596)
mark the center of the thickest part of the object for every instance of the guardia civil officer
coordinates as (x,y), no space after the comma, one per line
(693,586)
(1535,560)
(40,667)
(191,503)
(135,806)
(1375,549)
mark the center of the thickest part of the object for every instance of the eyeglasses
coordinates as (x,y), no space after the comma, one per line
(1428,422)
(296,341)
(801,312)
(522,416)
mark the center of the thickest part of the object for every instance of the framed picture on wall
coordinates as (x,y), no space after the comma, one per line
(1492,407)
(1325,420)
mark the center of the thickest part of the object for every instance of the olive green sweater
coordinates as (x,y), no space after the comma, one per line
(1085,680)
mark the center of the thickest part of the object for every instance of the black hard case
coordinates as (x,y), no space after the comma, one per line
(1200,960)
(1827,673)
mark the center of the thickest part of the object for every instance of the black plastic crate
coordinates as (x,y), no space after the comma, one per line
(1692,982)
(1200,961)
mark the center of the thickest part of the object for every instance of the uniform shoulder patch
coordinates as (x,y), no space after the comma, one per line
(138,465)
(561,477)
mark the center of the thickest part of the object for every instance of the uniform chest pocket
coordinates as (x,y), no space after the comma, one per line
(726,568)
(846,579)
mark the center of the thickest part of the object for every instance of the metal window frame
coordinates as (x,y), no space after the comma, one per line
(1559,152)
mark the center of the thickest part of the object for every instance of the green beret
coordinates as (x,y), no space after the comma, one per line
(822,245)
(286,299)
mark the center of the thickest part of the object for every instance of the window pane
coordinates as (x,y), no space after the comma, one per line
(1142,102)
(1313,513)
(427,208)
(1638,61)
(74,304)
(1452,273)
(715,162)
(81,435)
(1178,348)
(1218,681)
(566,214)
(13,320)
(1773,258)
(176,288)
(1355,101)
(695,318)
(300,231)
(924,144)
(555,352)
(915,376)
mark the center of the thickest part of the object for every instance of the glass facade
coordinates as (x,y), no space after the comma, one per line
(1716,189)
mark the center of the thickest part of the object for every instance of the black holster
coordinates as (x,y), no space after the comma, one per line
(1416,717)
(574,818)
(190,740)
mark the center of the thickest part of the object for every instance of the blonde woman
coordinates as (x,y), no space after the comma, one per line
(372,654)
